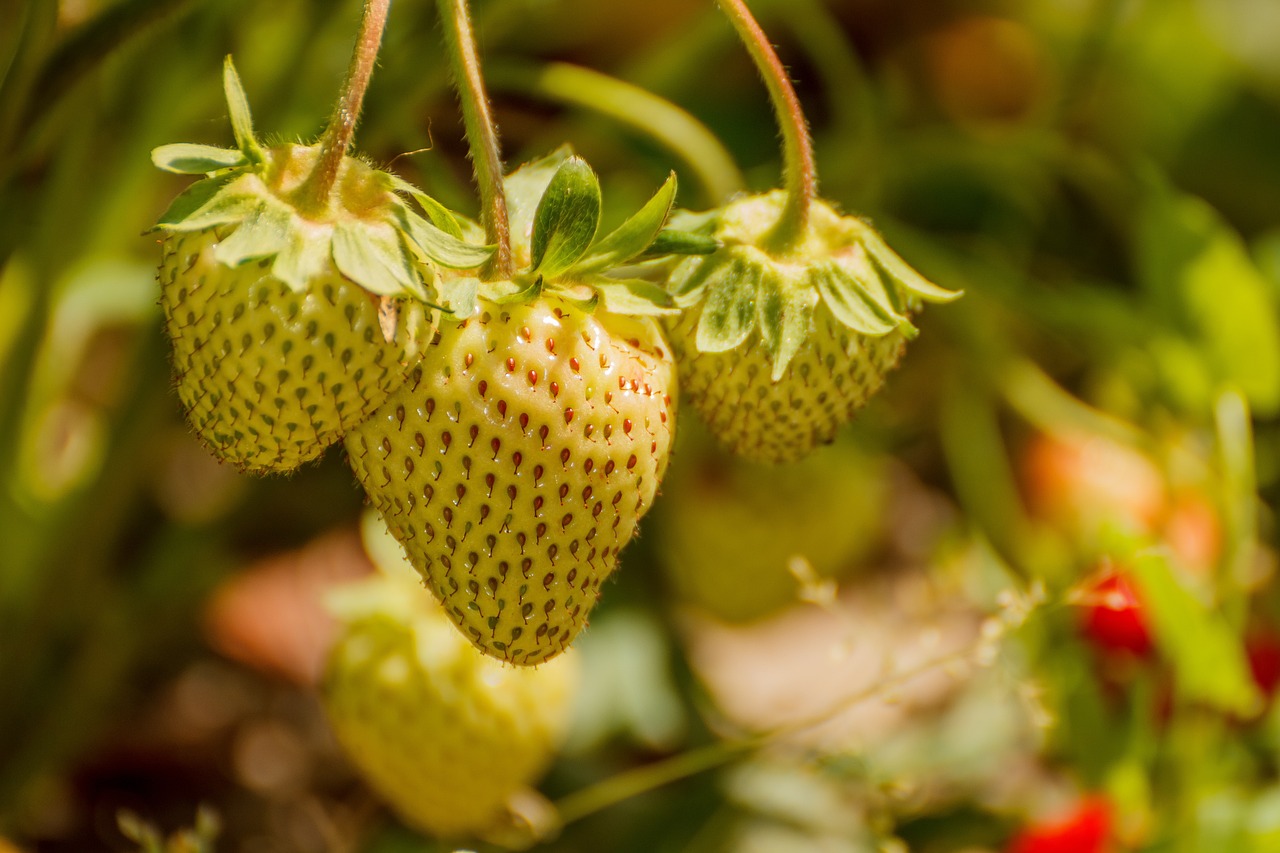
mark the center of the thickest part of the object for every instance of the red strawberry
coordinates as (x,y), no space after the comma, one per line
(1113,618)
(1085,830)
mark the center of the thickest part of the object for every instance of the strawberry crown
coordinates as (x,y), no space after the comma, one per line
(254,197)
(841,263)
(554,207)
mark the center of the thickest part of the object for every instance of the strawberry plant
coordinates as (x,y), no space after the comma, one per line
(612,592)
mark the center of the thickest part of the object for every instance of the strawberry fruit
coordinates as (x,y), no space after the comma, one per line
(444,734)
(777,350)
(515,463)
(292,322)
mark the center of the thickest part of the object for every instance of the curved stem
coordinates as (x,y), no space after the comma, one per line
(801,175)
(634,107)
(314,193)
(482,133)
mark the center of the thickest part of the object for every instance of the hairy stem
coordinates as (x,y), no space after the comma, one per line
(800,175)
(482,133)
(315,192)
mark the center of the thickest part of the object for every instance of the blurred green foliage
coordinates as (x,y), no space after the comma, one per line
(1099,177)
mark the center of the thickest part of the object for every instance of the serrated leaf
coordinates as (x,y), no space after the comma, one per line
(729,313)
(441,247)
(672,242)
(241,116)
(262,234)
(634,296)
(518,290)
(633,237)
(847,299)
(902,273)
(524,188)
(567,218)
(375,258)
(439,215)
(797,325)
(459,296)
(184,158)
(206,199)
(304,259)
(1206,654)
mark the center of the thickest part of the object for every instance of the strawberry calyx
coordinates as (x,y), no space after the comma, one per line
(254,197)
(747,286)
(555,208)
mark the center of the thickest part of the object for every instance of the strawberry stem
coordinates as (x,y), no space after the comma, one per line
(482,133)
(800,174)
(315,193)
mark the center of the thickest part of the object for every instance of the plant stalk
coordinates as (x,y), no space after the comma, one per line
(315,192)
(800,173)
(482,133)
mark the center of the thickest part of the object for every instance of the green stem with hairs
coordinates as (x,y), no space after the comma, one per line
(801,174)
(482,133)
(315,193)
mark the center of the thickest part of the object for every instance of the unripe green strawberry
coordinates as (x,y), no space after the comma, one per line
(777,350)
(727,531)
(290,321)
(444,734)
(517,460)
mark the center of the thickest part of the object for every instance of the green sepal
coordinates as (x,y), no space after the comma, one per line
(204,205)
(633,237)
(901,273)
(784,316)
(458,296)
(688,280)
(847,299)
(634,297)
(440,246)
(524,189)
(519,290)
(261,234)
(184,158)
(376,259)
(241,117)
(670,241)
(439,215)
(303,259)
(729,314)
(567,218)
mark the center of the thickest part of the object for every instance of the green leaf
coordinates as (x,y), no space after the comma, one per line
(784,317)
(375,258)
(440,246)
(241,117)
(902,273)
(729,313)
(459,296)
(634,296)
(304,259)
(849,302)
(262,234)
(186,159)
(519,290)
(204,205)
(440,216)
(672,242)
(524,190)
(1198,267)
(1208,656)
(632,237)
(567,218)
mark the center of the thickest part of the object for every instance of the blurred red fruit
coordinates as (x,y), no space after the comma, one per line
(1083,831)
(1113,618)
(1263,649)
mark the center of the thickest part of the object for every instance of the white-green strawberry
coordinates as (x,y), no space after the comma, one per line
(779,348)
(443,733)
(516,462)
(291,321)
